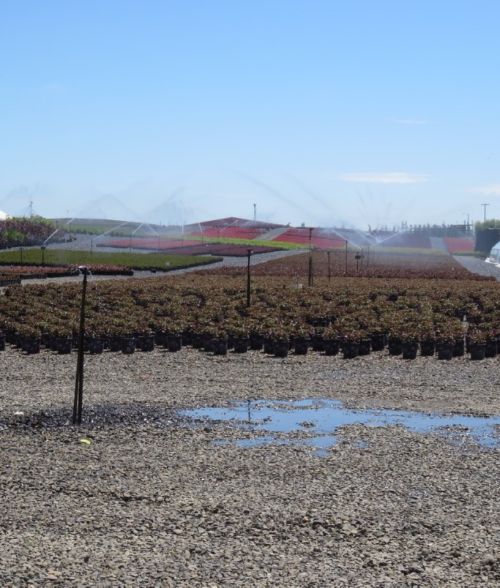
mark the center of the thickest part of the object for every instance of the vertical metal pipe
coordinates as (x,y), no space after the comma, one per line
(310,273)
(78,398)
(329,267)
(346,257)
(249,253)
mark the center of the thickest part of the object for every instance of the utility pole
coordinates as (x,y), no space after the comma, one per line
(484,205)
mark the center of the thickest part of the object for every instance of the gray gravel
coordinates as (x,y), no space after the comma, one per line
(478,266)
(152,502)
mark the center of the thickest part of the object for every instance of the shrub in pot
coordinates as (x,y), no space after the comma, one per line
(331,341)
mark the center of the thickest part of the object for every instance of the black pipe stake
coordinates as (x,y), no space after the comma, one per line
(310,273)
(78,398)
(346,257)
(249,253)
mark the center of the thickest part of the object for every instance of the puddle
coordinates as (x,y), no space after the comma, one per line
(313,422)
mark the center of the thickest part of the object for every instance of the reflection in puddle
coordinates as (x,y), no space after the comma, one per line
(319,418)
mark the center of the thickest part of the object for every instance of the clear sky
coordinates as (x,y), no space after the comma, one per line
(323,112)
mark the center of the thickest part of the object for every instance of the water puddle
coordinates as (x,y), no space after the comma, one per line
(313,422)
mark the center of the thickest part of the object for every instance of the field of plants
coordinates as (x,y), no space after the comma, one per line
(350,315)
(232,246)
(15,232)
(370,263)
(100,262)
(189,246)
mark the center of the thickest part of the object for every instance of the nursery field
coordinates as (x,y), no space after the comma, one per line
(232,244)
(368,263)
(352,315)
(94,259)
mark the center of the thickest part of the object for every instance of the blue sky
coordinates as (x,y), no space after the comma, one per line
(323,112)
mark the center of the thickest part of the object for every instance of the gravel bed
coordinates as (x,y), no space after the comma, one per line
(478,266)
(149,500)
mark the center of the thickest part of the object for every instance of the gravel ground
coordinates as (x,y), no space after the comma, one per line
(152,502)
(478,266)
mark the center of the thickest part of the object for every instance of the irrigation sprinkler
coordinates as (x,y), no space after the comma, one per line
(249,254)
(329,266)
(346,242)
(78,397)
(358,257)
(21,252)
(42,249)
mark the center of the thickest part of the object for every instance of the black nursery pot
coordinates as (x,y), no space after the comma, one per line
(240,344)
(281,347)
(146,342)
(331,346)
(128,345)
(197,341)
(63,345)
(31,345)
(410,349)
(115,344)
(174,342)
(160,338)
(477,351)
(207,342)
(491,348)
(445,350)
(219,346)
(300,345)
(459,348)
(365,346)
(95,345)
(378,342)
(427,347)
(395,347)
(318,344)
(256,342)
(268,345)
(350,350)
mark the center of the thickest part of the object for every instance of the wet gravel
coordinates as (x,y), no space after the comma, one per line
(478,266)
(138,496)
